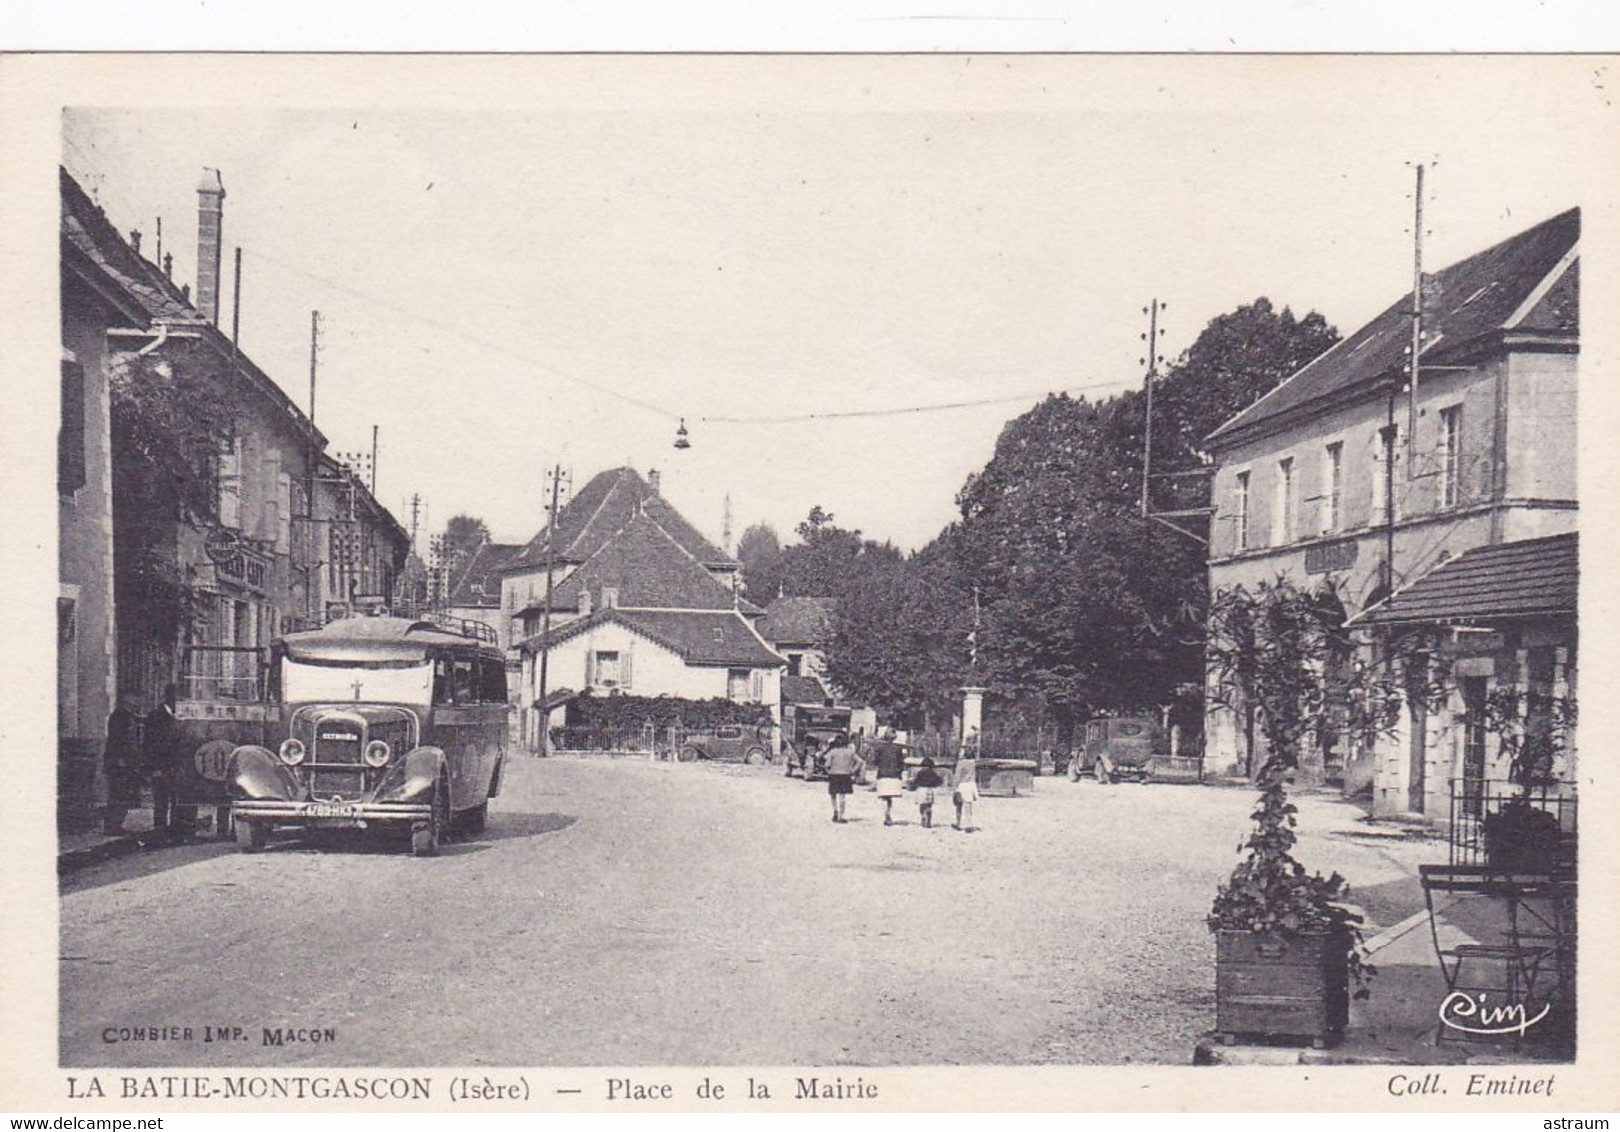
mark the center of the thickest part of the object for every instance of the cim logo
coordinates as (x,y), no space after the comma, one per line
(1463,1012)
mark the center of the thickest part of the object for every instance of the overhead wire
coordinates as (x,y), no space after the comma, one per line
(660,410)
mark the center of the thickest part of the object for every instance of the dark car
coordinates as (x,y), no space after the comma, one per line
(1112,749)
(729,743)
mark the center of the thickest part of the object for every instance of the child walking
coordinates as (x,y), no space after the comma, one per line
(926,782)
(966,782)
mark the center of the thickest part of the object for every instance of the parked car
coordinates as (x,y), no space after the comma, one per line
(384,723)
(729,743)
(1112,749)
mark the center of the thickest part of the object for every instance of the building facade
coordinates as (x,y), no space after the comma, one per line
(1325,480)
(290,534)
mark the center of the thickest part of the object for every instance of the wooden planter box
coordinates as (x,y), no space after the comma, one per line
(1282,986)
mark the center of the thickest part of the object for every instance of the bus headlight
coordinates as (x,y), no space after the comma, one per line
(292,752)
(376,753)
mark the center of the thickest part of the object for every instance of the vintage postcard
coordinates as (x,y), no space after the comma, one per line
(809,582)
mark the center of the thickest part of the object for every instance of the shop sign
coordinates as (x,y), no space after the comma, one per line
(1326,557)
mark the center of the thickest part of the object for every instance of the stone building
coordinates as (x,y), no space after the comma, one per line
(265,558)
(1323,482)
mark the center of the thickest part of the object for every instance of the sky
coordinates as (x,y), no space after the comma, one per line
(558,260)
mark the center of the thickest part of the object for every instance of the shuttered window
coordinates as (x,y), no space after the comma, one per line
(70,462)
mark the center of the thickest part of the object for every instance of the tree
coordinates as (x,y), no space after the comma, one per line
(759,551)
(463,535)
(170,426)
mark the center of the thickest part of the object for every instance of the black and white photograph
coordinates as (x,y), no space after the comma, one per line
(855,564)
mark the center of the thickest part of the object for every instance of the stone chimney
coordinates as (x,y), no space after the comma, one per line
(210,224)
(135,240)
(654,479)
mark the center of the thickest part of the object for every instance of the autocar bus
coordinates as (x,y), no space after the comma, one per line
(807,727)
(382,722)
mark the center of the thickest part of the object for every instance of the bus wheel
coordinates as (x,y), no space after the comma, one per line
(475,819)
(756,756)
(1101,772)
(222,823)
(252,836)
(688,755)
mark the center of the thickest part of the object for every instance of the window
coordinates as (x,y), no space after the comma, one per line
(465,682)
(1450,455)
(795,663)
(229,472)
(737,684)
(70,461)
(1384,474)
(1283,528)
(1241,506)
(610,597)
(607,669)
(491,681)
(1332,487)
(584,603)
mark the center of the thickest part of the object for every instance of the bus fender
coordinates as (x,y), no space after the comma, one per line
(412,778)
(254,773)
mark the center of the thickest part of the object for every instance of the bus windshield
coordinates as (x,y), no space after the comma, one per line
(372,683)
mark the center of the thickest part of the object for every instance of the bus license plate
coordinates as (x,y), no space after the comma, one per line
(332,810)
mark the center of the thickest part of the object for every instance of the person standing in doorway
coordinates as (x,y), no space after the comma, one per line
(891,768)
(965,786)
(843,764)
(121,763)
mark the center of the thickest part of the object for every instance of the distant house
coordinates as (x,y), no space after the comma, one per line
(475,589)
(799,628)
(475,595)
(641,604)
(1321,482)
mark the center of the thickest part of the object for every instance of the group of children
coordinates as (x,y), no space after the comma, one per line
(844,763)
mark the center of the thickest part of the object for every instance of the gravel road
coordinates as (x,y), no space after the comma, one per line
(629,913)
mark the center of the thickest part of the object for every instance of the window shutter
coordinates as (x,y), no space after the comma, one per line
(70,461)
(590,668)
(758,684)
(230,489)
(626,668)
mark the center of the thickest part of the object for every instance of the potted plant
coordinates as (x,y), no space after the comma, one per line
(1532,728)
(1286,946)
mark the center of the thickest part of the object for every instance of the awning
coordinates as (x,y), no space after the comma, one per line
(1509,581)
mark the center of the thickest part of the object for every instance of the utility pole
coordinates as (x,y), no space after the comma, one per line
(556,475)
(314,452)
(725,526)
(1417,324)
(374,460)
(236,305)
(1152,361)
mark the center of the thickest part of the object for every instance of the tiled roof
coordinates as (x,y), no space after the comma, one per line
(150,296)
(798,620)
(1511,580)
(803,690)
(1463,304)
(649,569)
(478,586)
(606,505)
(697,637)
(86,229)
